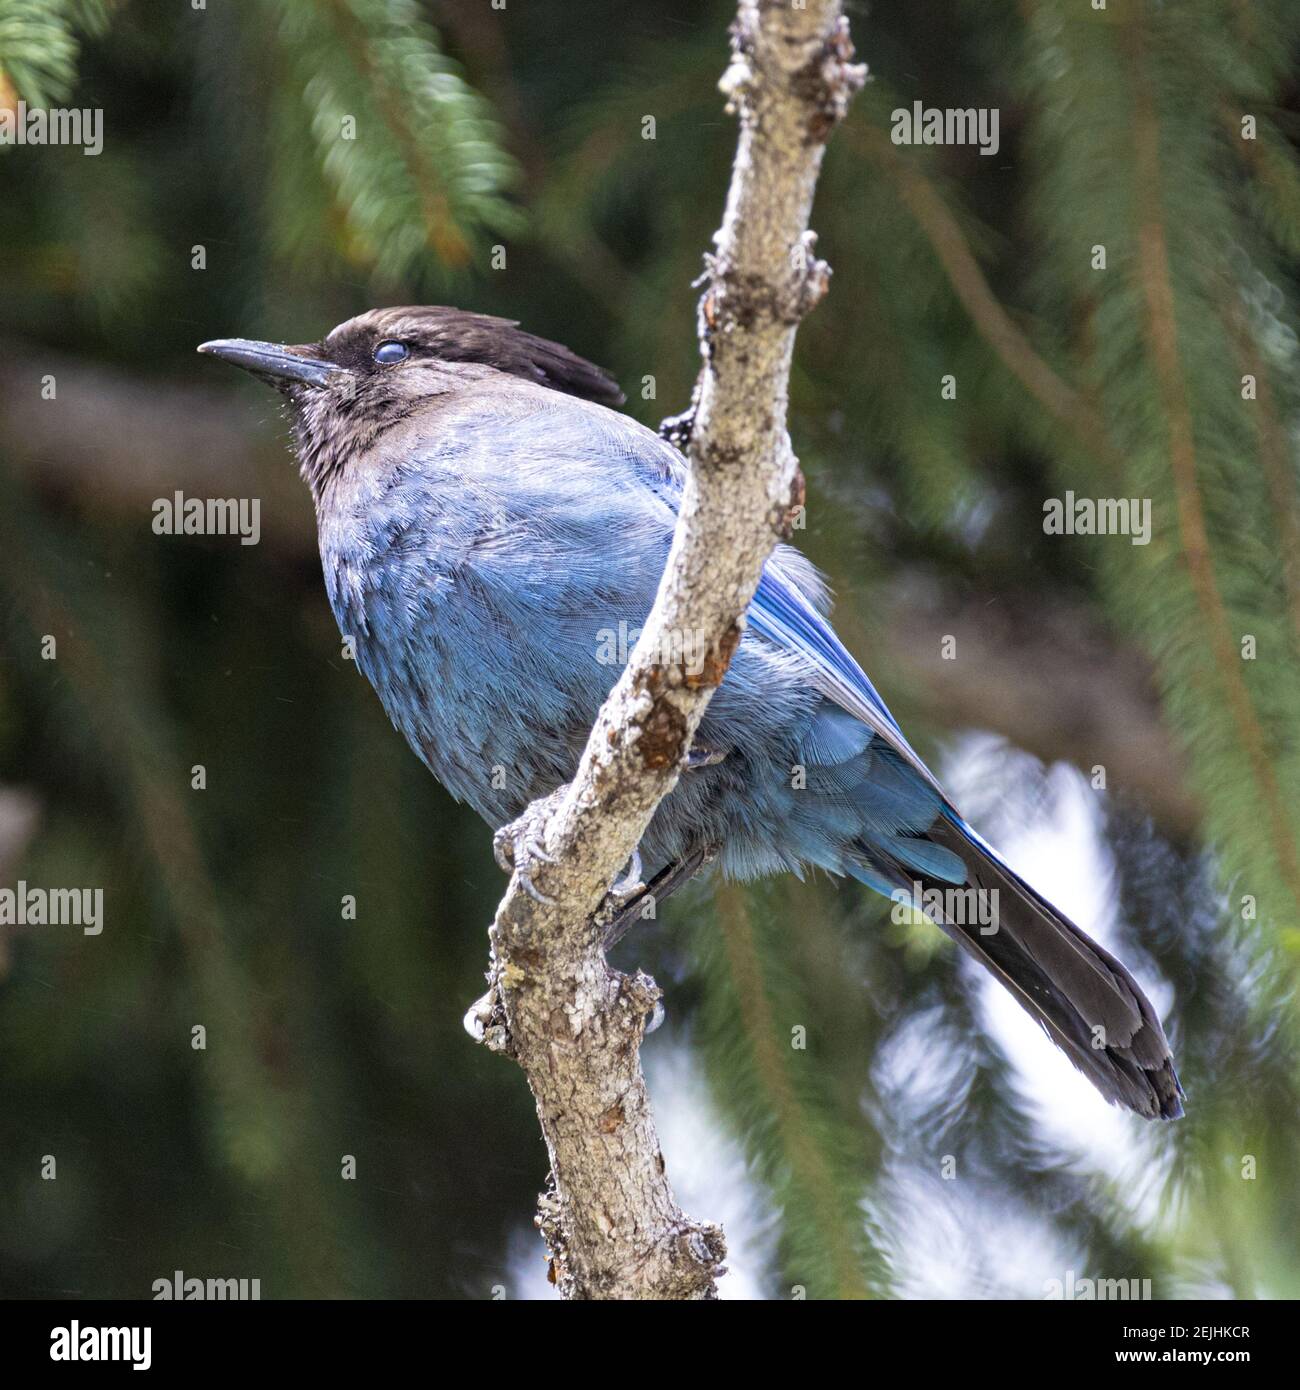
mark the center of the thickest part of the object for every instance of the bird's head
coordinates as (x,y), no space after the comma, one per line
(375,370)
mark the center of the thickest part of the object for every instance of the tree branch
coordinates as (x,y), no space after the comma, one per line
(572,1023)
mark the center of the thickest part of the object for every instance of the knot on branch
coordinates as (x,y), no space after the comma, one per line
(824,83)
(663,732)
(828,82)
(686,1261)
(735,302)
(702,1248)
(693,1253)
(639,996)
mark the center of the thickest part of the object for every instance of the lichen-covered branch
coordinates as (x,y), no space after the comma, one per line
(572,1023)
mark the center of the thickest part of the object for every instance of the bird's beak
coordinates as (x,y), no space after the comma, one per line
(272,362)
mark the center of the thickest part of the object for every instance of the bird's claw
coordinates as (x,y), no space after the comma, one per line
(704,757)
(624,889)
(628,888)
(521,844)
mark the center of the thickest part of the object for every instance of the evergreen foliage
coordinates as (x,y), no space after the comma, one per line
(328,156)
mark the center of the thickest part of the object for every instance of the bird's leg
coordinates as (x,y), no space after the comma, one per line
(522,843)
(667,881)
(628,897)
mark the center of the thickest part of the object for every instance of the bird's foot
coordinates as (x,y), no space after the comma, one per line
(629,886)
(521,845)
(640,903)
(625,890)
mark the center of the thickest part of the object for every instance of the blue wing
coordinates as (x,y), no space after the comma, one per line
(781,613)
(899,796)
(876,798)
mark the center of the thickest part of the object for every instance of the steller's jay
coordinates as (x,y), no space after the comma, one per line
(486,521)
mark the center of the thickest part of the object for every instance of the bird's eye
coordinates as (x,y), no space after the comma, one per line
(391,352)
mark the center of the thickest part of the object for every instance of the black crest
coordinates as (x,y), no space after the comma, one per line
(456,335)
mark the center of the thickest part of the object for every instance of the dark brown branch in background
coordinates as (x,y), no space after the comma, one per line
(994,324)
(1273,455)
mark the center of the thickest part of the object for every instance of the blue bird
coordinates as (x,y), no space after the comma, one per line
(487,522)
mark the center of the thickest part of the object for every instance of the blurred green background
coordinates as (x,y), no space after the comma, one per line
(1104,716)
